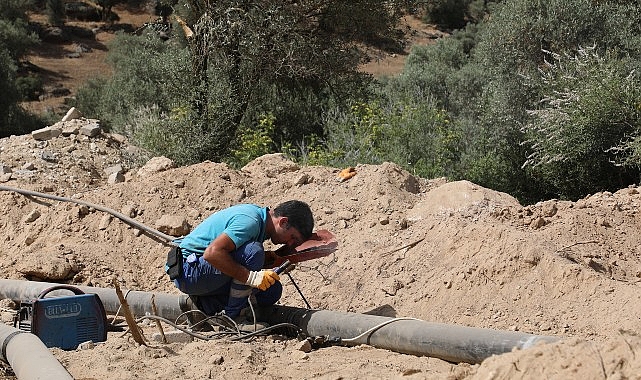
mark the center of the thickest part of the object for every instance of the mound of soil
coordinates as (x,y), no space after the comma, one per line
(448,252)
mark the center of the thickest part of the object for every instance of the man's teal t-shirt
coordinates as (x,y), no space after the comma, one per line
(242,223)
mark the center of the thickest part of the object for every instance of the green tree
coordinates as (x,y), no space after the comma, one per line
(486,77)
(15,40)
(578,134)
(253,48)
(247,59)
(55,12)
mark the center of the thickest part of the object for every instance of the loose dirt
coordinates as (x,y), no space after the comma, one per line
(447,252)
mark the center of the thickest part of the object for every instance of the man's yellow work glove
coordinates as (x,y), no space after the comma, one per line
(262,279)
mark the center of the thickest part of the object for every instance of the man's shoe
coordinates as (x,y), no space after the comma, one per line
(198,321)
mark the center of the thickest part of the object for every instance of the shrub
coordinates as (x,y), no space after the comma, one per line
(415,134)
(255,142)
(55,12)
(29,87)
(590,115)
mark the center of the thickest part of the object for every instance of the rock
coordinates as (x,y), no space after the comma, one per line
(537,223)
(549,208)
(31,216)
(270,165)
(301,180)
(304,346)
(49,156)
(104,222)
(88,345)
(8,304)
(129,210)
(92,129)
(216,359)
(156,165)
(46,266)
(46,133)
(73,113)
(117,137)
(173,225)
(176,336)
(6,317)
(114,169)
(117,177)
(345,215)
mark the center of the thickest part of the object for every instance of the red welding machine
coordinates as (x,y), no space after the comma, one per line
(63,321)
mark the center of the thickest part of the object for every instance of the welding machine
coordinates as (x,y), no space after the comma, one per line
(63,321)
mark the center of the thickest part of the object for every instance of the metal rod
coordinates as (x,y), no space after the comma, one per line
(168,239)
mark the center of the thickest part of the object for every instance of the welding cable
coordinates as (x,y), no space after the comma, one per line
(217,335)
(124,218)
(299,291)
(120,307)
(372,329)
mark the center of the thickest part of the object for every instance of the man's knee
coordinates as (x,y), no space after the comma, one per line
(251,255)
(270,296)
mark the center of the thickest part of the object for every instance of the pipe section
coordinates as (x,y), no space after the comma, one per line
(29,358)
(167,305)
(406,335)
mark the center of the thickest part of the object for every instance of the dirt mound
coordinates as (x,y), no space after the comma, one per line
(449,252)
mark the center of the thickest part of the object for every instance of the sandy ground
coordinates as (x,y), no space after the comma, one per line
(447,252)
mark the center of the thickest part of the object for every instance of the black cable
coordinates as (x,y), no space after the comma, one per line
(299,291)
(243,335)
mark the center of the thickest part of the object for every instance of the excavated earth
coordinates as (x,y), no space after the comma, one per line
(441,251)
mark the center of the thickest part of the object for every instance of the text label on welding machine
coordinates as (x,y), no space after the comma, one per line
(63,310)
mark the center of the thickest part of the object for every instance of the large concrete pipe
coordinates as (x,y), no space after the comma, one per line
(406,335)
(28,357)
(168,306)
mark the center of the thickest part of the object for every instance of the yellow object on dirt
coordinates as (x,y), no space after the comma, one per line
(346,174)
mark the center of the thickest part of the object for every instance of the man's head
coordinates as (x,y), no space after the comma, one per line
(298,216)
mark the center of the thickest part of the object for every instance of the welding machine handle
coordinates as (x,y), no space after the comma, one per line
(282,267)
(57,287)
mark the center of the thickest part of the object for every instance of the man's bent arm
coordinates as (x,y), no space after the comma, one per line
(218,254)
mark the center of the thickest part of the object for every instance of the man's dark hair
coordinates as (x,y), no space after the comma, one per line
(299,216)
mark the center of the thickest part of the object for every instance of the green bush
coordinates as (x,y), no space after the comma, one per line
(447,13)
(415,134)
(255,142)
(55,12)
(455,14)
(486,79)
(578,133)
(29,87)
(147,73)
